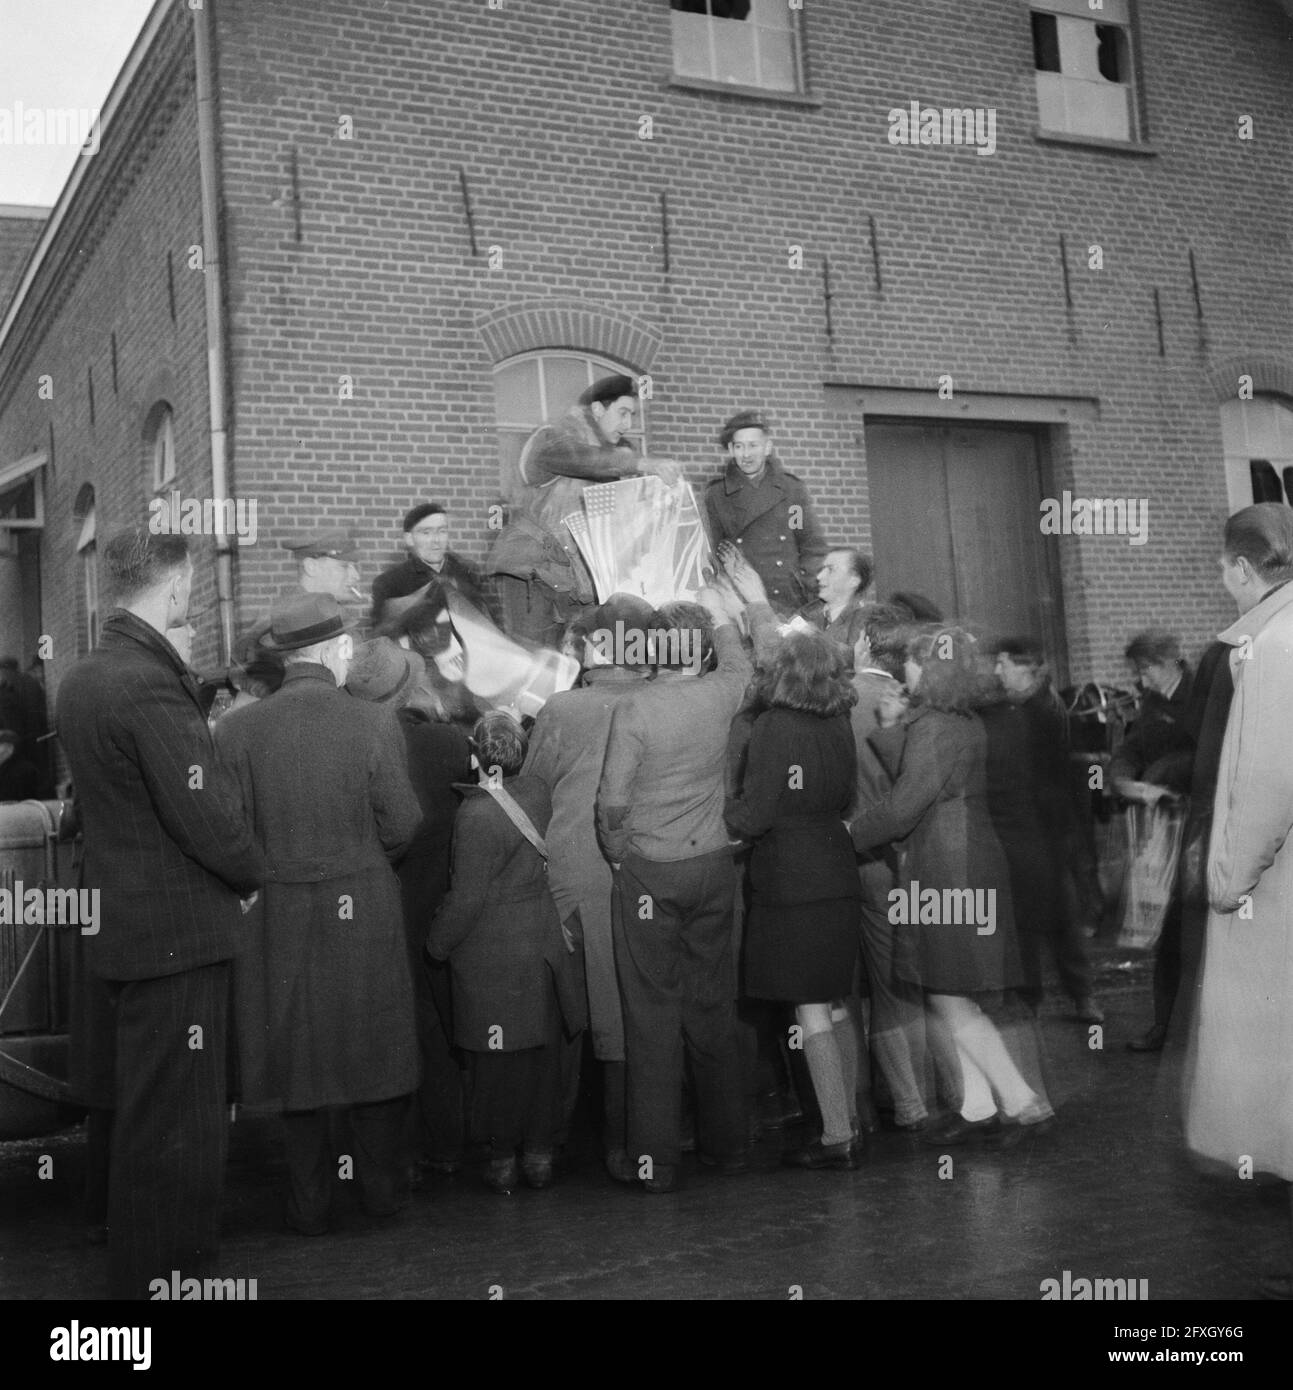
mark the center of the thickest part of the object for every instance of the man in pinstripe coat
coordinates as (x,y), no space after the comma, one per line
(168,850)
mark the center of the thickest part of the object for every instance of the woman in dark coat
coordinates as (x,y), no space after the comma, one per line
(511,969)
(801,941)
(1034,814)
(953,885)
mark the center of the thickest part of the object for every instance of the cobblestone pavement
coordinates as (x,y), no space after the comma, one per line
(1106,1193)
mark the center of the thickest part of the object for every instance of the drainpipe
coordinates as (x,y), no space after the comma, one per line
(209,178)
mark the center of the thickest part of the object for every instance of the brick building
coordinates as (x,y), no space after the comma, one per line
(414,231)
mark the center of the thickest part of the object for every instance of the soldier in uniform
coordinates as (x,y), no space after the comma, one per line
(766,512)
(325,564)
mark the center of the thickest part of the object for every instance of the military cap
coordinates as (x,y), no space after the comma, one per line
(337,544)
(743,420)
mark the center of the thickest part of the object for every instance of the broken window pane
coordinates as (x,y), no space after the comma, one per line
(1111,55)
(1046,43)
(1266,482)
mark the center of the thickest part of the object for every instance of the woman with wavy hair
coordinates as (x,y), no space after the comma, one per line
(952,897)
(801,940)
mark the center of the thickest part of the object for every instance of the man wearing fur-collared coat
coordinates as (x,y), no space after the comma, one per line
(541,581)
(1241,1072)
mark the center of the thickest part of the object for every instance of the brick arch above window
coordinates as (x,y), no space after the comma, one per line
(1272,376)
(568,323)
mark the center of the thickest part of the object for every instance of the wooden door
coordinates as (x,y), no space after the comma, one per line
(955,516)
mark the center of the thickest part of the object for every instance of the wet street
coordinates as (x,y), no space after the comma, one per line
(1107,1193)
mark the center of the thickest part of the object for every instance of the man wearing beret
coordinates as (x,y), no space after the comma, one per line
(767,512)
(324,999)
(542,581)
(430,562)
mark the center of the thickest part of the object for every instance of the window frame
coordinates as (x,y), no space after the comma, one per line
(161,445)
(714,83)
(88,553)
(1239,461)
(1119,15)
(598,365)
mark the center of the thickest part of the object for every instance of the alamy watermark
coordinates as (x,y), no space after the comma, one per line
(50,125)
(176,515)
(1096,516)
(943,907)
(1081,1290)
(633,646)
(915,124)
(50,907)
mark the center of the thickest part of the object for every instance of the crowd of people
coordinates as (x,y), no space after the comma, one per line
(772,854)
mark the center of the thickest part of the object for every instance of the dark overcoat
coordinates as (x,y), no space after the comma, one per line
(499,928)
(937,815)
(774,524)
(324,1004)
(1028,800)
(412,574)
(799,783)
(166,843)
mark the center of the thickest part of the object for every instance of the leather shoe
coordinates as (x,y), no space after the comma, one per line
(306,1228)
(1149,1042)
(1087,1010)
(839,1157)
(730,1167)
(621,1167)
(501,1176)
(665,1178)
(1277,1287)
(536,1169)
(956,1129)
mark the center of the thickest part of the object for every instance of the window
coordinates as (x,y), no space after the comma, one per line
(1257,437)
(746,43)
(530,390)
(161,436)
(1084,70)
(87,555)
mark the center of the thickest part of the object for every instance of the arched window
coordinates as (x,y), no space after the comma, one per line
(159,434)
(1257,438)
(88,563)
(539,387)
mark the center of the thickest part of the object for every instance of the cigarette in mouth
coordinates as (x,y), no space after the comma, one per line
(355,591)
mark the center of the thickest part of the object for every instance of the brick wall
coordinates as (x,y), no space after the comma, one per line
(350,258)
(540,105)
(111,279)
(18,234)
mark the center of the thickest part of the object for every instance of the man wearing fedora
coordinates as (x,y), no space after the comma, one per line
(325,564)
(169,852)
(324,996)
(767,513)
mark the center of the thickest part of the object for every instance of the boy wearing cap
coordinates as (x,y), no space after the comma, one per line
(542,581)
(767,512)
